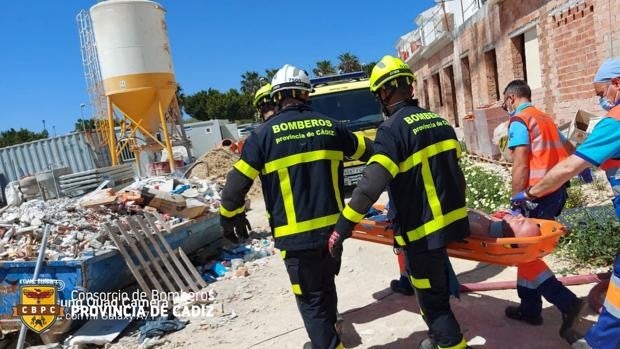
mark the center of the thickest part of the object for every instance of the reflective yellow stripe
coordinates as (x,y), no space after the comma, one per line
(335,166)
(287,195)
(283,254)
(420,283)
(340,346)
(300,158)
(246,169)
(429,187)
(361,147)
(399,240)
(301,227)
(386,162)
(296,289)
(430,151)
(436,224)
(461,345)
(224,212)
(352,215)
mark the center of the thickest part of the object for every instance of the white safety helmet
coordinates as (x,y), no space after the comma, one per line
(289,78)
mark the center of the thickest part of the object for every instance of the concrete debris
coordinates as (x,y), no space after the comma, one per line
(215,164)
(76,223)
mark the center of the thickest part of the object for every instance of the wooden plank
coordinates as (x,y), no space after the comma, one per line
(168,249)
(192,269)
(128,260)
(163,256)
(146,248)
(138,255)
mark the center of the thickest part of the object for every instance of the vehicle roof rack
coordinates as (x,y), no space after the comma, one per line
(326,80)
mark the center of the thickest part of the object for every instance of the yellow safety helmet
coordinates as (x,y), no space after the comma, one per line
(263,95)
(388,69)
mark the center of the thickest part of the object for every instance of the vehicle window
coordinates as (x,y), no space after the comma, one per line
(358,108)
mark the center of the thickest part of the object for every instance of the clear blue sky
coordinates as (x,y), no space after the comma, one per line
(213,43)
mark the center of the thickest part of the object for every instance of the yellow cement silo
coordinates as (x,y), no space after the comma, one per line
(136,67)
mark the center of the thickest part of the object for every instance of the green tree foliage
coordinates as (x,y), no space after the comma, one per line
(324,68)
(180,98)
(251,81)
(84,124)
(213,104)
(349,63)
(367,68)
(12,136)
(269,73)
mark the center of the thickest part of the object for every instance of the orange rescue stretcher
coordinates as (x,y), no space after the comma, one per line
(502,251)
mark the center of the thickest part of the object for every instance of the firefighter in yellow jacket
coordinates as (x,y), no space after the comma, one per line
(298,154)
(416,157)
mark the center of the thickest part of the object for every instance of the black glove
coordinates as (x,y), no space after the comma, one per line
(236,228)
(334,244)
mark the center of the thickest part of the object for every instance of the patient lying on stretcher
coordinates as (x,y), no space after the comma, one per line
(485,225)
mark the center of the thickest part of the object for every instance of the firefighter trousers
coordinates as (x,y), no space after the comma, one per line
(429,275)
(312,274)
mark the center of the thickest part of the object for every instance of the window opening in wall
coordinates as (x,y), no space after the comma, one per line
(437,89)
(490,60)
(517,51)
(427,103)
(532,58)
(466,74)
(451,99)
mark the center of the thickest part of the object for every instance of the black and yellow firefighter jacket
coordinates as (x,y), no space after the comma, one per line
(416,154)
(298,155)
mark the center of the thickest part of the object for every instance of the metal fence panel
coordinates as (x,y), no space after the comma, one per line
(25,159)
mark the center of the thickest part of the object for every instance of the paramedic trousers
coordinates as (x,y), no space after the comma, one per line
(534,279)
(312,274)
(429,275)
(605,334)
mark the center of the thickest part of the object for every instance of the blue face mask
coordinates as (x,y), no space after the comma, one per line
(605,103)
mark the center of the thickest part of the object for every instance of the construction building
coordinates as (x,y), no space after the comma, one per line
(464,52)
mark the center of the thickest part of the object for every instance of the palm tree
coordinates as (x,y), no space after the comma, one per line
(349,63)
(269,73)
(250,82)
(324,68)
(367,68)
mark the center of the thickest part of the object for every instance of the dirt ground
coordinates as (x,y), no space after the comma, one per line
(259,311)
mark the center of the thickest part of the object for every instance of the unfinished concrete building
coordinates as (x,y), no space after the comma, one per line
(464,52)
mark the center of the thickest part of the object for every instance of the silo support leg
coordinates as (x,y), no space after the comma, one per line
(164,127)
(111,134)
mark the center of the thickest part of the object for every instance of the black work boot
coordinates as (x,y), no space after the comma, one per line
(402,286)
(569,318)
(514,312)
(428,343)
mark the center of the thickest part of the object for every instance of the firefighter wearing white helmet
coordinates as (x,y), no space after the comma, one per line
(416,157)
(290,82)
(298,154)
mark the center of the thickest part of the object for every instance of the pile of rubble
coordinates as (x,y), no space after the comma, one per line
(74,229)
(76,224)
(215,164)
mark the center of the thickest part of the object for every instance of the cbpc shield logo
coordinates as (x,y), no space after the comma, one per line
(38,306)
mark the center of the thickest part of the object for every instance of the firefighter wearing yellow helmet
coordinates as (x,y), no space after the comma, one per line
(298,154)
(416,156)
(264,103)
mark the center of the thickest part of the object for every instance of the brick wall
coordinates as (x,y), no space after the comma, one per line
(572,43)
